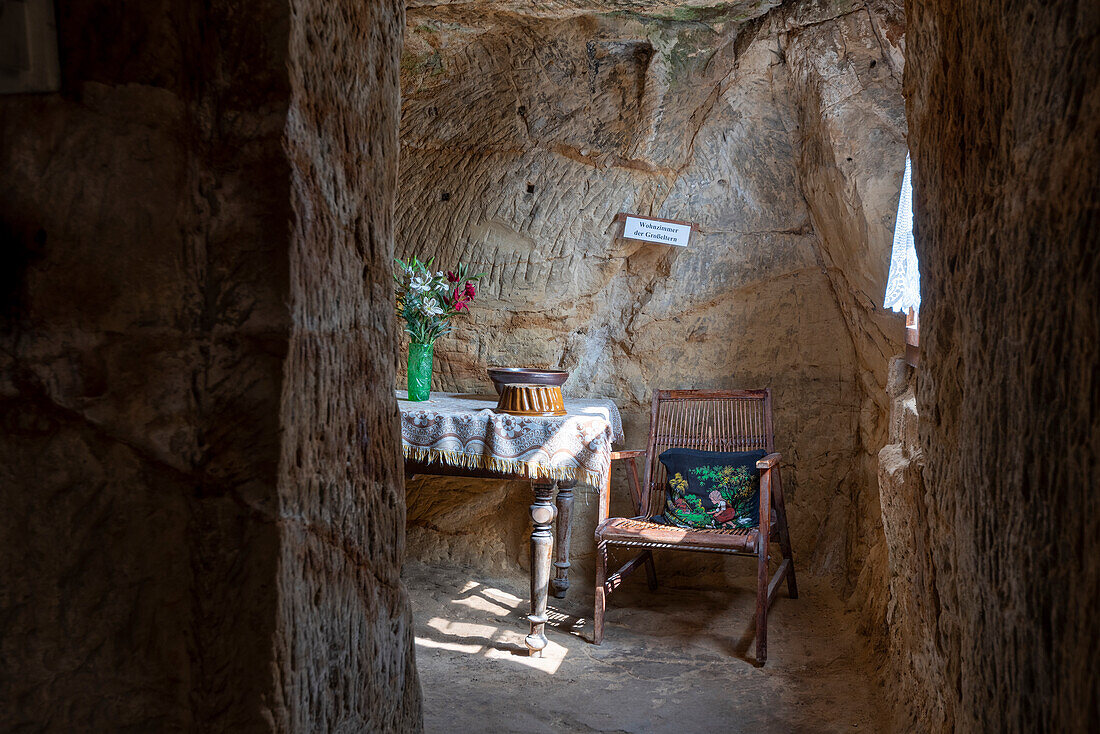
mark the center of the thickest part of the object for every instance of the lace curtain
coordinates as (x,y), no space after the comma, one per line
(903,284)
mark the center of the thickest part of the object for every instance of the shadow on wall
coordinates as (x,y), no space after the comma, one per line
(19,249)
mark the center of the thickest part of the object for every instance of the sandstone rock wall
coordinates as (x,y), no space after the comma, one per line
(1004,111)
(915,663)
(144,336)
(780,130)
(344,645)
(163,535)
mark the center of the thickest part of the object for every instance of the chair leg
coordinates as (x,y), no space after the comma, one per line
(601,591)
(762,605)
(785,538)
(785,549)
(650,571)
(792,586)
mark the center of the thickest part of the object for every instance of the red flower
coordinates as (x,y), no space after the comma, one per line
(460,301)
(470,290)
(452,276)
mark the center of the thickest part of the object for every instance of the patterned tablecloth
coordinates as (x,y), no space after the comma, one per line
(464,431)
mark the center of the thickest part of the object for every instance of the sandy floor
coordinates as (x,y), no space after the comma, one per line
(675,660)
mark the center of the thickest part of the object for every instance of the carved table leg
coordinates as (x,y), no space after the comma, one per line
(542,544)
(562,533)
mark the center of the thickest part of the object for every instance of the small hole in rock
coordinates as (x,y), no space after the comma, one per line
(873,62)
(530,188)
(849,160)
(521,110)
(445,196)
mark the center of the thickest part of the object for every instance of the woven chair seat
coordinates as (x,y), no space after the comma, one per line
(641,533)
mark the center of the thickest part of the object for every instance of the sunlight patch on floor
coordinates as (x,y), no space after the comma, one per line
(493,643)
(673,661)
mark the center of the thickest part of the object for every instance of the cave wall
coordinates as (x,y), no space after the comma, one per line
(344,642)
(144,210)
(1006,149)
(163,534)
(914,662)
(780,130)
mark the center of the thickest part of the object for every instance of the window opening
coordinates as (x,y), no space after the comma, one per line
(903,283)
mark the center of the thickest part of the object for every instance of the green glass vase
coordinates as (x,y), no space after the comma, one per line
(420,371)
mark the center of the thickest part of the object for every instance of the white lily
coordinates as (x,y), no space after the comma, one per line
(431,308)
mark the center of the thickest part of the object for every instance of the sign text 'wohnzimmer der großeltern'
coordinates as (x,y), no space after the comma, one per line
(654,230)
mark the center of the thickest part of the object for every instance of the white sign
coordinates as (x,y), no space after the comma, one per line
(654,230)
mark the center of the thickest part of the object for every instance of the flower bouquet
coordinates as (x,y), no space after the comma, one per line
(427,302)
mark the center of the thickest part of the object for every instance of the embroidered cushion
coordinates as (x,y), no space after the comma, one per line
(711,489)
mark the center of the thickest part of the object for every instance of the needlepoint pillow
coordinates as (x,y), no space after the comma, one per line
(711,489)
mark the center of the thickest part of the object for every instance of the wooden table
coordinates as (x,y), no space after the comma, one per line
(460,435)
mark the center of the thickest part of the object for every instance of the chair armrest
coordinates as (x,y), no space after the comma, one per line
(769,461)
(634,454)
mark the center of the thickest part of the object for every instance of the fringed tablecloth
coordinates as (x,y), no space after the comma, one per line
(464,431)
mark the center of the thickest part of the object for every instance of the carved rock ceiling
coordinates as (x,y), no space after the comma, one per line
(674,10)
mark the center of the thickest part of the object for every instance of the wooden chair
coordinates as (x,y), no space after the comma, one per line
(709,420)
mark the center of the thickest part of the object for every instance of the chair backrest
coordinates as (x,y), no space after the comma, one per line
(708,420)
